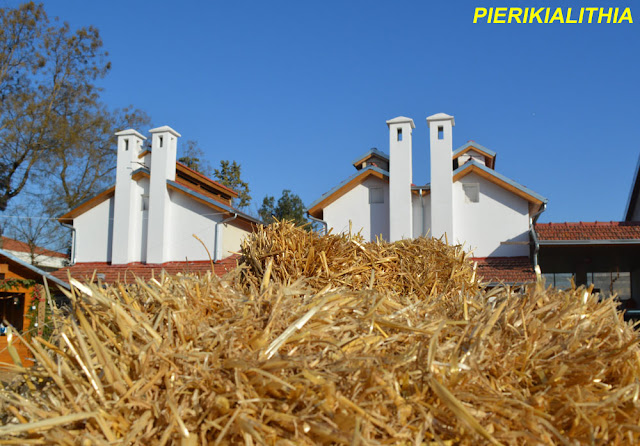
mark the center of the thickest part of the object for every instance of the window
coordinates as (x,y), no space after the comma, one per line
(160,141)
(605,283)
(440,132)
(399,134)
(376,195)
(1,276)
(561,281)
(471,192)
(610,283)
(145,202)
(126,144)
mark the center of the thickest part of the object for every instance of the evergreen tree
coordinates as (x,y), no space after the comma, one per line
(229,174)
(289,207)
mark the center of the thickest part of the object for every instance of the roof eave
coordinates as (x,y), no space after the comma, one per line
(212,202)
(87,205)
(588,242)
(525,192)
(318,205)
(35,269)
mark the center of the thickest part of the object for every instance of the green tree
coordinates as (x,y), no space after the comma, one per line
(229,174)
(289,207)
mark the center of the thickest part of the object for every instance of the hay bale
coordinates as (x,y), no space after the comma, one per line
(329,340)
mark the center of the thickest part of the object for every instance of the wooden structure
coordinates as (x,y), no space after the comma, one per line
(20,290)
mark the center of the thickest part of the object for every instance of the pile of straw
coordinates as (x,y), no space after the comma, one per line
(328,340)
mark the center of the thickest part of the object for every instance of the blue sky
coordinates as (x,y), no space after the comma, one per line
(294,91)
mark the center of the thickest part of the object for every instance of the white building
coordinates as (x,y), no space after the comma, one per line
(41,258)
(159,214)
(467,201)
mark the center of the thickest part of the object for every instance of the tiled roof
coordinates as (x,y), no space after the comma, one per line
(9,244)
(127,273)
(508,270)
(599,230)
(28,270)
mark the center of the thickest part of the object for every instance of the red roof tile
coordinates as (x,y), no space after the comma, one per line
(9,244)
(599,230)
(126,273)
(510,270)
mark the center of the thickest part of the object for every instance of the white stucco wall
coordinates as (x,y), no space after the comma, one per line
(421,214)
(141,221)
(188,217)
(373,219)
(232,237)
(499,216)
(94,232)
(44,262)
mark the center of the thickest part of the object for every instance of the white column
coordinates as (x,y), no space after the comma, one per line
(124,206)
(164,143)
(400,174)
(441,138)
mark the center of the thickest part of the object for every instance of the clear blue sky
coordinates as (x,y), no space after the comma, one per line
(296,90)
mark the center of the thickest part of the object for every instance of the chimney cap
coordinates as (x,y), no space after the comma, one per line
(401,120)
(165,129)
(441,117)
(130,132)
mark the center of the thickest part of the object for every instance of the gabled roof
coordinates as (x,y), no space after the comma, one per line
(33,269)
(473,145)
(633,194)
(9,244)
(489,155)
(198,186)
(127,273)
(607,232)
(92,202)
(369,154)
(473,166)
(315,210)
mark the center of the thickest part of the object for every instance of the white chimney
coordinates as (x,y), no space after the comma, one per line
(440,134)
(164,144)
(400,173)
(125,200)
